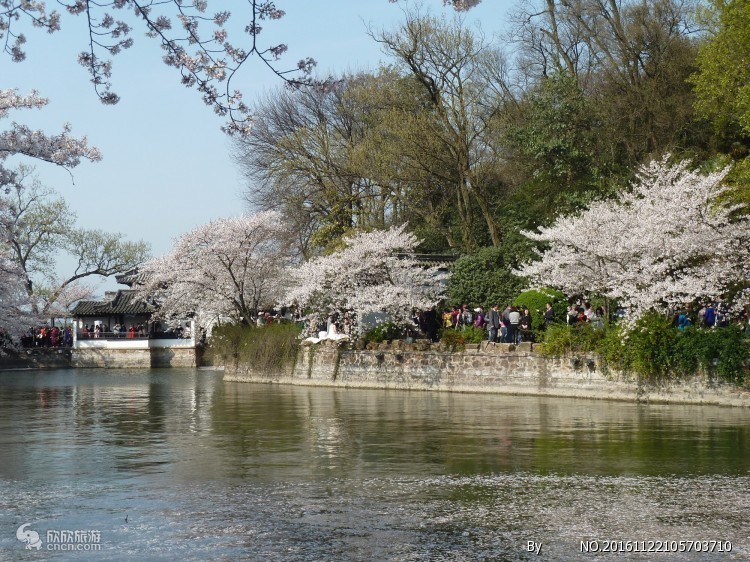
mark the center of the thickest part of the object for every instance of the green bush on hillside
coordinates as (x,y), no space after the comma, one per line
(561,339)
(453,339)
(484,279)
(473,335)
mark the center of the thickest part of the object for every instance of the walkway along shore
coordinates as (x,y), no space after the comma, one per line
(486,368)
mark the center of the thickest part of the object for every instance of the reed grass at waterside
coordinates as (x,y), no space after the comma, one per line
(266,348)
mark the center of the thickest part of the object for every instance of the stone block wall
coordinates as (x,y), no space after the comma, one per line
(133,358)
(486,367)
(36,358)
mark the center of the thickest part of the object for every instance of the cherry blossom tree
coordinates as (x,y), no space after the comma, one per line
(376,272)
(458,5)
(195,41)
(668,241)
(60,149)
(14,314)
(59,298)
(229,267)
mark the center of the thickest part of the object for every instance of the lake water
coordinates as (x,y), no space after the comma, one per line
(176,464)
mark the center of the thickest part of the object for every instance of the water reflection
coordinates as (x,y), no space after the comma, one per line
(191,421)
(436,433)
(277,472)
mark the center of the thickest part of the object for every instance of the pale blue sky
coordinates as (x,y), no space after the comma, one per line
(166,165)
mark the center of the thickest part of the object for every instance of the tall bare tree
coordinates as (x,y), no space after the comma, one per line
(463,79)
(321,157)
(630,57)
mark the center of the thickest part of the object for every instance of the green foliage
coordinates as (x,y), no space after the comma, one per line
(385,331)
(536,299)
(720,352)
(453,339)
(657,351)
(561,339)
(457,339)
(267,348)
(473,335)
(561,137)
(722,83)
(738,182)
(613,349)
(484,278)
(555,137)
(650,347)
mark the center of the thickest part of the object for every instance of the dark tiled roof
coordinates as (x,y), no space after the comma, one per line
(124,302)
(131,277)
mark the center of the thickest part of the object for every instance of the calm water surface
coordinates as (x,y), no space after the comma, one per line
(208,470)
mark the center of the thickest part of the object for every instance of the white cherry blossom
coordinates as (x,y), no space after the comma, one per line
(666,242)
(376,272)
(203,40)
(229,267)
(15,317)
(60,149)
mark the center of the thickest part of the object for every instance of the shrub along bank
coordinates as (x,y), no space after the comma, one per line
(657,351)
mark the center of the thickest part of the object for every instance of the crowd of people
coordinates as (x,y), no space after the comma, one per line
(511,325)
(515,324)
(53,336)
(48,336)
(586,313)
(712,315)
(118,331)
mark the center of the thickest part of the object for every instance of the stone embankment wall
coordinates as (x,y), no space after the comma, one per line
(487,367)
(36,358)
(134,358)
(67,358)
